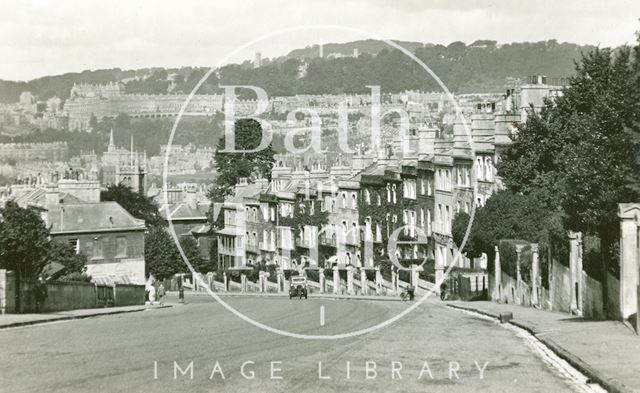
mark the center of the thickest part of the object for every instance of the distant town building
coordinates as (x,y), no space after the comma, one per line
(120,165)
(257,61)
(110,100)
(21,152)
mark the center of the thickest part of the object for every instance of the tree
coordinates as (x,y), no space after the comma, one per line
(459,230)
(65,254)
(231,166)
(138,205)
(24,243)
(582,151)
(507,216)
(190,249)
(162,258)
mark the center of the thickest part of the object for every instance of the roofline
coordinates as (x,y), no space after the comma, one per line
(84,231)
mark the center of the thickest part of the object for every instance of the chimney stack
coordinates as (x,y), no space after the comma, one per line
(426,140)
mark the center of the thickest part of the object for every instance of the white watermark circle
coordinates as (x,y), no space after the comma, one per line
(250,320)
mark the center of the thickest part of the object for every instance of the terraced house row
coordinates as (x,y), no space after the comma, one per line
(345,216)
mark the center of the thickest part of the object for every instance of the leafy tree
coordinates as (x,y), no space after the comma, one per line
(64,254)
(190,248)
(508,216)
(231,166)
(162,258)
(75,277)
(136,204)
(458,231)
(24,241)
(582,151)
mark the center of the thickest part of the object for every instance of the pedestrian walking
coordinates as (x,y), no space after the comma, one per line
(443,291)
(161,292)
(180,290)
(40,294)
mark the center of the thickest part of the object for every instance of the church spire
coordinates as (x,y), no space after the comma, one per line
(112,146)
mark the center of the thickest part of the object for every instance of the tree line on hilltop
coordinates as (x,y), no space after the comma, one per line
(479,67)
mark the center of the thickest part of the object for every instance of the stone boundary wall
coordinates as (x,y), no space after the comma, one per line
(64,296)
(560,288)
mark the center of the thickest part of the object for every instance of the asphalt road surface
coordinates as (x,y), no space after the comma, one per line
(434,349)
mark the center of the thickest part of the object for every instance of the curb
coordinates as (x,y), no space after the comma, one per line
(71,317)
(609,384)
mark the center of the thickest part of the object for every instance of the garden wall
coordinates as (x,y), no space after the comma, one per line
(560,288)
(63,295)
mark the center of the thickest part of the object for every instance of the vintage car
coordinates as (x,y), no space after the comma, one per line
(298,287)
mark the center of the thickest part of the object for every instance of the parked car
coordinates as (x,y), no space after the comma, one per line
(298,287)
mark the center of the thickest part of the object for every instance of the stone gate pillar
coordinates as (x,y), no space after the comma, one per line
(279,280)
(225,282)
(243,282)
(336,280)
(575,269)
(350,280)
(518,275)
(364,284)
(378,281)
(3,291)
(394,280)
(414,276)
(263,281)
(535,276)
(439,268)
(497,273)
(321,279)
(629,214)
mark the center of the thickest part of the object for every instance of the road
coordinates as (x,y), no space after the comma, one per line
(136,352)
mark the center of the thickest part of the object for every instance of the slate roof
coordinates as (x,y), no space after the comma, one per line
(91,217)
(38,198)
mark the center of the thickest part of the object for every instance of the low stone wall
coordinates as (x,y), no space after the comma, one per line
(64,295)
(128,295)
(591,298)
(613,298)
(560,288)
(509,289)
(7,291)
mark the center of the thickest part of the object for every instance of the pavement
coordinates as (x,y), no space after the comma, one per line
(606,351)
(17,320)
(433,348)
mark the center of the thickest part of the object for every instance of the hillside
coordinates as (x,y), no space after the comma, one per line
(371,47)
(479,67)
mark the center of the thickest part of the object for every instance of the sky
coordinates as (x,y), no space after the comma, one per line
(39,37)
